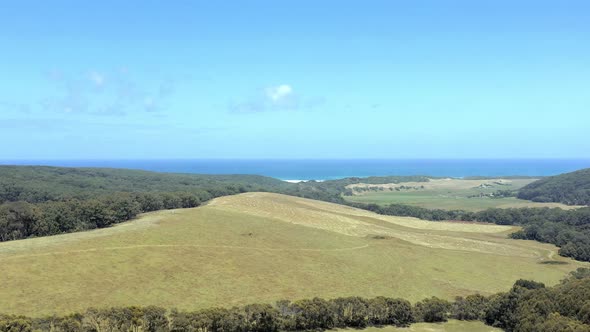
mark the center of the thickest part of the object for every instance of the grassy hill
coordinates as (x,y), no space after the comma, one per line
(448,194)
(569,188)
(262,247)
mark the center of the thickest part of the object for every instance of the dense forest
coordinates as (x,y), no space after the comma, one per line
(569,188)
(41,201)
(35,184)
(527,307)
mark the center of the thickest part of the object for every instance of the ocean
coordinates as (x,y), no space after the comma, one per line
(314,169)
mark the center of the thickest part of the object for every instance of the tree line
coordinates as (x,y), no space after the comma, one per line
(528,306)
(37,184)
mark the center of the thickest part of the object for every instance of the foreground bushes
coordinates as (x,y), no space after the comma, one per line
(286,316)
(529,306)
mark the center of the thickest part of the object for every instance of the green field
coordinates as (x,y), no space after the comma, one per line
(259,248)
(447,194)
(450,326)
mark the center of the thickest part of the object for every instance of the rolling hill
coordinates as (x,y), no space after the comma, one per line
(263,247)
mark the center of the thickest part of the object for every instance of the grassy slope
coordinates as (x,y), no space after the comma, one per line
(260,247)
(450,195)
(450,326)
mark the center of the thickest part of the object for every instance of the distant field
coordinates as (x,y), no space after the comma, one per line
(447,194)
(261,247)
(450,326)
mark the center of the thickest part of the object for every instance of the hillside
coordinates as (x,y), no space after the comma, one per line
(260,248)
(569,188)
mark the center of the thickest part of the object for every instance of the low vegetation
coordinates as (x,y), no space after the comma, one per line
(260,248)
(529,306)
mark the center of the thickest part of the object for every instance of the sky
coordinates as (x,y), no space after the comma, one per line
(294,79)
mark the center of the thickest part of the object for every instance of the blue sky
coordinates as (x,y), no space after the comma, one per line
(294,79)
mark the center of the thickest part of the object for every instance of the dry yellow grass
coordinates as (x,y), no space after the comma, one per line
(356,222)
(316,213)
(261,247)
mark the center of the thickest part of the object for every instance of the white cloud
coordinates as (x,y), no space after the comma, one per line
(278,93)
(97,78)
(275,98)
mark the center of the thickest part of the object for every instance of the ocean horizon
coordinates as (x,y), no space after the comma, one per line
(329,169)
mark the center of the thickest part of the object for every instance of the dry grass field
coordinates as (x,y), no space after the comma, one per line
(261,247)
(447,194)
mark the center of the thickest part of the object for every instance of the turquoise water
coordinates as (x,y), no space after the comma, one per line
(334,169)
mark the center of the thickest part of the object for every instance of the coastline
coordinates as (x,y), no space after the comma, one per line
(297,170)
(298,181)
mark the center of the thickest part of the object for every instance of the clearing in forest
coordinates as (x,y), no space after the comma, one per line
(447,194)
